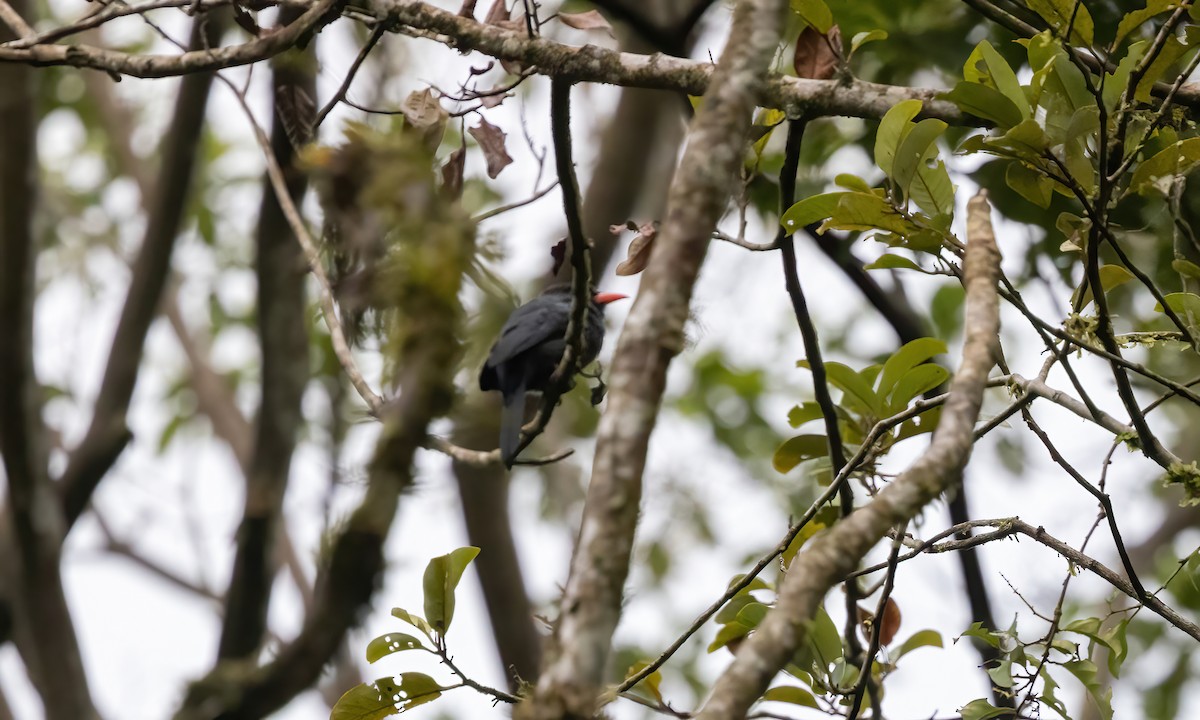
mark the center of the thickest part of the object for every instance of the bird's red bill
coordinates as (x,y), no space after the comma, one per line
(605,298)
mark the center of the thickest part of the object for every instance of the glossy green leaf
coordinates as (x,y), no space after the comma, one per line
(920,379)
(796,450)
(860,211)
(985,102)
(932,190)
(1181,302)
(814,12)
(791,694)
(924,423)
(863,38)
(857,393)
(386,697)
(752,614)
(1135,19)
(1029,183)
(727,634)
(887,261)
(1101,693)
(851,182)
(1157,173)
(441,578)
(919,639)
(415,620)
(1186,267)
(1170,54)
(894,125)
(801,414)
(1111,276)
(1116,81)
(910,355)
(825,638)
(810,210)
(1004,78)
(1064,15)
(385,645)
(651,683)
(914,150)
(982,710)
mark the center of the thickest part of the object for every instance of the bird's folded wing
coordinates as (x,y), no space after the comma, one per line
(527,327)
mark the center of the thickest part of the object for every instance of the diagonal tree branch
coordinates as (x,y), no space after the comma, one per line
(32,529)
(108,433)
(283,337)
(652,336)
(834,555)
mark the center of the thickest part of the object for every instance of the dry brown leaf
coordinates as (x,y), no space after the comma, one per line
(590,20)
(818,56)
(889,624)
(452,174)
(640,248)
(425,113)
(491,142)
(497,13)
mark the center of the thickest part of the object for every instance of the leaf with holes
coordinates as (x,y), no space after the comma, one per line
(441,578)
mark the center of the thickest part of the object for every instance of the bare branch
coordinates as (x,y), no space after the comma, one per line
(652,336)
(830,557)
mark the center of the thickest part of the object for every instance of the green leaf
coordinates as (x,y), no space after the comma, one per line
(919,639)
(914,382)
(1176,160)
(386,697)
(926,422)
(915,149)
(1135,19)
(982,710)
(727,634)
(894,125)
(932,190)
(910,355)
(1182,303)
(810,210)
(860,211)
(887,261)
(1186,267)
(804,413)
(385,645)
(863,38)
(851,182)
(815,13)
(1061,14)
(985,102)
(650,683)
(1085,671)
(1029,183)
(798,449)
(752,614)
(857,393)
(1001,674)
(415,620)
(1004,78)
(441,578)
(825,638)
(1111,276)
(791,694)
(1171,52)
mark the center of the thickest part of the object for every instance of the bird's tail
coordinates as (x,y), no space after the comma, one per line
(511,421)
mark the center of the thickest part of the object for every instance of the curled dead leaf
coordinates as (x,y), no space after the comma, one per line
(638,255)
(491,142)
(590,20)
(818,55)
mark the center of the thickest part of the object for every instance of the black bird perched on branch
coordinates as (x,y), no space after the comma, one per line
(528,351)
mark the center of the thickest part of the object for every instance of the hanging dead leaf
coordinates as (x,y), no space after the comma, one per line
(452,174)
(424,112)
(297,112)
(497,13)
(818,55)
(558,254)
(640,248)
(491,142)
(590,20)
(889,624)
(468,9)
